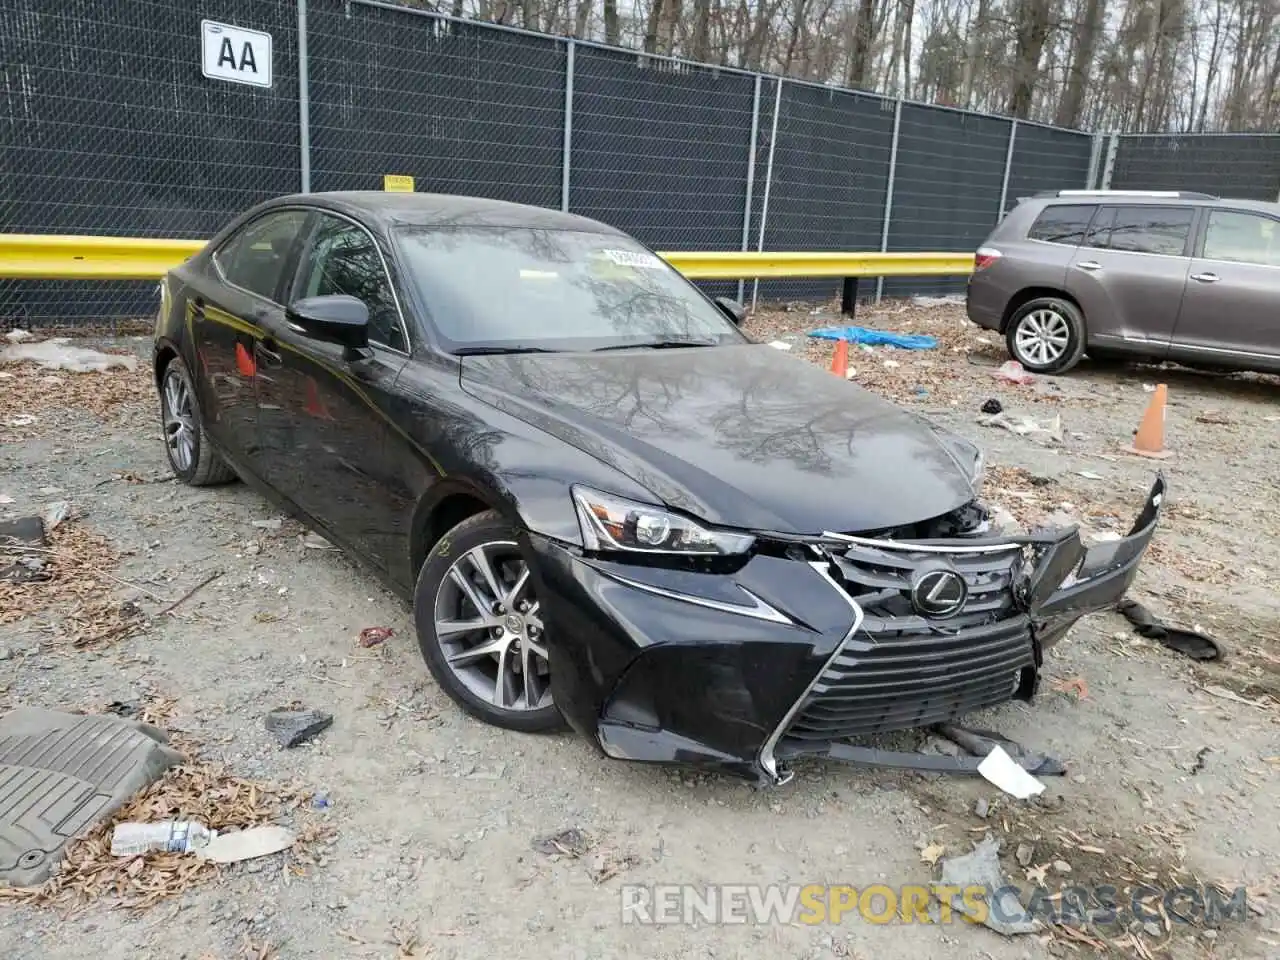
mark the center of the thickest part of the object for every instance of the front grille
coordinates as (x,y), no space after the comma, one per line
(904,670)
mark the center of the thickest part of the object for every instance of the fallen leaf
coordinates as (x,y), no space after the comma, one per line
(1037,874)
(1075,685)
(932,853)
(372,636)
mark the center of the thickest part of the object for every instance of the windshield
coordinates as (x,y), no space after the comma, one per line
(516,287)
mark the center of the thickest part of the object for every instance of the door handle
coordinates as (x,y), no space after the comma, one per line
(1090,265)
(1205,277)
(265,355)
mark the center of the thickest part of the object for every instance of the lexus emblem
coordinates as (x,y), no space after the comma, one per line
(938,593)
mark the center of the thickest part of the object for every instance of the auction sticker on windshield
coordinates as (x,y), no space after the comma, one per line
(633,258)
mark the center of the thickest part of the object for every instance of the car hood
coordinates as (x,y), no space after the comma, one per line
(743,436)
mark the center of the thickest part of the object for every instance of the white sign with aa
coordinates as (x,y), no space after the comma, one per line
(235,54)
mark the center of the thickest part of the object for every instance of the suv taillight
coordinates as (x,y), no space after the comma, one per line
(985,257)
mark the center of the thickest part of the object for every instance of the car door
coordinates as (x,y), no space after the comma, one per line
(1232,303)
(326,417)
(228,310)
(1129,274)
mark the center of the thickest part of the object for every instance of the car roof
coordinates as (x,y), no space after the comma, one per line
(386,209)
(1115,197)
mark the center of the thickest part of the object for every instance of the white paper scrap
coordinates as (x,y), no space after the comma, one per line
(999,768)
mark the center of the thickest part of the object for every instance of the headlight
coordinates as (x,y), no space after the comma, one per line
(611,523)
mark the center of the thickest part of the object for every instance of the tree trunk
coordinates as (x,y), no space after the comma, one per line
(1084,46)
(611,36)
(701,50)
(977,35)
(1031,29)
(651,26)
(860,45)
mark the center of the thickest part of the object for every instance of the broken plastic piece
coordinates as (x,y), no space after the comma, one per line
(1191,643)
(1012,371)
(246,844)
(1003,912)
(292,727)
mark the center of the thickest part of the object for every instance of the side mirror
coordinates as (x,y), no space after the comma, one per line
(337,318)
(732,309)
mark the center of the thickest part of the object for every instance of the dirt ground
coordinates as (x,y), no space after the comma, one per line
(418,825)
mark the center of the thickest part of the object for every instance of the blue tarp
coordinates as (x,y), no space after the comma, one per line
(877,338)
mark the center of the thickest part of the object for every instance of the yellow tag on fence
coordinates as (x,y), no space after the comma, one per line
(397,183)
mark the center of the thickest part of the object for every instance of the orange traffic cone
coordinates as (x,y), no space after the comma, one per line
(244,362)
(1148,441)
(314,405)
(840,362)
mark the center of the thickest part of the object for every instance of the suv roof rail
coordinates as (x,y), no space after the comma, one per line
(1160,194)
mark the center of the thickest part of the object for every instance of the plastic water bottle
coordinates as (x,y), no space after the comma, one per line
(171,836)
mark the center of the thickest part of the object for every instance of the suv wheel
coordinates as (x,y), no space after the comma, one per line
(480,626)
(1046,335)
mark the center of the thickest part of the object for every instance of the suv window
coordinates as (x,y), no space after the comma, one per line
(342,258)
(1243,238)
(1062,223)
(254,258)
(1147,229)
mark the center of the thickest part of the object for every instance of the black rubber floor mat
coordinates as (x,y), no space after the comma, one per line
(60,773)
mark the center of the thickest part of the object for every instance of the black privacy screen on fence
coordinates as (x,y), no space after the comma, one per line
(108,127)
(830,174)
(460,108)
(1245,166)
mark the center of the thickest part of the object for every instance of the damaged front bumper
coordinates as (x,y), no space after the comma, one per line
(843,638)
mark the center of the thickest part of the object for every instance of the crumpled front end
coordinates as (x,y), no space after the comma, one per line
(809,642)
(951,626)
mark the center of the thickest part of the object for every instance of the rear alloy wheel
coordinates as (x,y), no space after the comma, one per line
(191,458)
(1047,335)
(480,626)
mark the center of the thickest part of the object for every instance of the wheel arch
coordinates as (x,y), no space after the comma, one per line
(165,354)
(445,506)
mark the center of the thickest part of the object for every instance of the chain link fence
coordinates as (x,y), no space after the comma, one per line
(1227,165)
(108,125)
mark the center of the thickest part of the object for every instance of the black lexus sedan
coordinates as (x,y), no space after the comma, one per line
(606,504)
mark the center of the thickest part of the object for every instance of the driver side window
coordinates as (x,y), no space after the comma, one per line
(342,259)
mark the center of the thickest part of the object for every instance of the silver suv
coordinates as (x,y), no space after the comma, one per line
(1156,276)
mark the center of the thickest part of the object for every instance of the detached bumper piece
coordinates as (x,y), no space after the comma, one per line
(948,627)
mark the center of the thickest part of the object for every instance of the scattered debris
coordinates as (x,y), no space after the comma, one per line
(1011,371)
(1222,693)
(572,843)
(1198,765)
(58,354)
(85,767)
(999,769)
(292,727)
(55,514)
(1089,475)
(18,336)
(1191,643)
(779,345)
(1024,854)
(23,540)
(932,853)
(981,743)
(131,839)
(951,299)
(877,338)
(313,541)
(373,636)
(1002,912)
(982,807)
(993,406)
(608,864)
(247,844)
(1025,426)
(272,524)
(1075,685)
(1214,417)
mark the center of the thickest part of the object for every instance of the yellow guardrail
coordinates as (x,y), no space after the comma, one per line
(34,257)
(748,266)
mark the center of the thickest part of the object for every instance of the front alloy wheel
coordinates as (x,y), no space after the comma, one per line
(1047,335)
(480,626)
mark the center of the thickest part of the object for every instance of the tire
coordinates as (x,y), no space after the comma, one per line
(1046,335)
(498,670)
(191,458)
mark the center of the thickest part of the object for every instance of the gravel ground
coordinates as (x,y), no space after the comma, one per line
(420,823)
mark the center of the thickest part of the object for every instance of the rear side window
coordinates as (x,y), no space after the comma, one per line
(254,258)
(1062,223)
(1161,230)
(1242,238)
